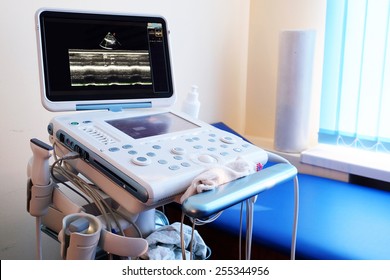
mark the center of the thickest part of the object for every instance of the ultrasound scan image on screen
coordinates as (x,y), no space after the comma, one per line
(110,64)
(107,68)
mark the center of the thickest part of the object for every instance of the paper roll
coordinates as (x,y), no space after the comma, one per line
(294,84)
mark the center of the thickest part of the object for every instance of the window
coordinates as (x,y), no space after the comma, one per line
(355,102)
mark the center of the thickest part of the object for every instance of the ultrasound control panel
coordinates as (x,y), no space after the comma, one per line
(153,156)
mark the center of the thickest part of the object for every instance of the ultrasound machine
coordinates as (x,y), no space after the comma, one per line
(124,153)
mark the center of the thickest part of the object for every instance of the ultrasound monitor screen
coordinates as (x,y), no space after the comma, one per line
(151,125)
(104,57)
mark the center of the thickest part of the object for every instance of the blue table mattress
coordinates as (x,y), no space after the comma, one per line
(337,220)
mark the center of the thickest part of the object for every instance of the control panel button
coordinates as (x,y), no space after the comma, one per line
(143,161)
(207,159)
(174,167)
(178,151)
(127,146)
(228,140)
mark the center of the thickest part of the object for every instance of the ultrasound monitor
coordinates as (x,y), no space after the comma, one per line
(103,59)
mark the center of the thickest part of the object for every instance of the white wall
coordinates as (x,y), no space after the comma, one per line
(267,19)
(209,41)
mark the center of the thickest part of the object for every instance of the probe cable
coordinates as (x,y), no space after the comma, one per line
(278,159)
(87,189)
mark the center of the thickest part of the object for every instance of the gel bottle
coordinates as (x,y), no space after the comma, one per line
(191,104)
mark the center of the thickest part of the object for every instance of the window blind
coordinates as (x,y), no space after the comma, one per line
(355,100)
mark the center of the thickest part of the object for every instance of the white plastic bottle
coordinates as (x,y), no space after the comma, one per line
(191,104)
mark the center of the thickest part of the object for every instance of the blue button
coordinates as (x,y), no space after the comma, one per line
(174,167)
(178,150)
(228,140)
(141,161)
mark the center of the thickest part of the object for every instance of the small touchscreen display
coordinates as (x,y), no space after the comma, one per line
(151,125)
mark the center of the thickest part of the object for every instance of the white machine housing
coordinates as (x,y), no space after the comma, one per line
(118,68)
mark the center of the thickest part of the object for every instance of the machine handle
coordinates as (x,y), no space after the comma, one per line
(208,203)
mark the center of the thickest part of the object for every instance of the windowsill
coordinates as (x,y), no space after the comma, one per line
(334,162)
(349,160)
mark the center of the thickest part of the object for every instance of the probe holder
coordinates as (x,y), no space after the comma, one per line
(208,203)
(79,245)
